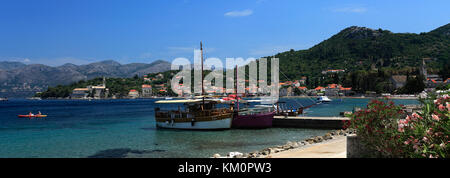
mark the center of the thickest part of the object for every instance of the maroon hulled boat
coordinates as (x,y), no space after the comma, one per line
(253,118)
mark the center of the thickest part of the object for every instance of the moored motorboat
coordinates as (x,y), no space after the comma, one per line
(282,110)
(323,99)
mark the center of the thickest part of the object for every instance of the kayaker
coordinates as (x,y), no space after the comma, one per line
(39,113)
(31,114)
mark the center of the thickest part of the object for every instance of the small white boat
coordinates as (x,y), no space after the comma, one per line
(323,99)
(168,98)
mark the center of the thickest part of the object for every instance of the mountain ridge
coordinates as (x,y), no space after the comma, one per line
(16,77)
(361,48)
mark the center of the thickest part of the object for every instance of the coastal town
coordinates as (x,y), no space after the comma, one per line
(158,85)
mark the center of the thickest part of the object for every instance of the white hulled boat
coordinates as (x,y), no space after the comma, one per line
(323,99)
(199,113)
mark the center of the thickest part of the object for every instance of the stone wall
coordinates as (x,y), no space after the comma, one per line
(355,148)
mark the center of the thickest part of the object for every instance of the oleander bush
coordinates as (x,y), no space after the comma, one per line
(388,131)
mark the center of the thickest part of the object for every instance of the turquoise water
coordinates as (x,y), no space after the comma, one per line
(126,128)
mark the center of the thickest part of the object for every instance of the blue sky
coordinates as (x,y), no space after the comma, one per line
(55,32)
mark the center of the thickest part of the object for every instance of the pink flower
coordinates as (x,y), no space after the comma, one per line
(415,115)
(448,106)
(408,141)
(401,124)
(445,96)
(441,107)
(430,131)
(408,119)
(425,139)
(442,145)
(436,102)
(435,117)
(416,148)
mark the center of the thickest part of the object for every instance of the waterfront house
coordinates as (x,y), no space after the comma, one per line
(320,89)
(133,94)
(80,93)
(146,90)
(332,90)
(346,91)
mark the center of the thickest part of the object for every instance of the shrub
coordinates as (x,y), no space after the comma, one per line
(426,134)
(387,130)
(377,127)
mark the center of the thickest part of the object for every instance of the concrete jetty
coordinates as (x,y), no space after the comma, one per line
(309,122)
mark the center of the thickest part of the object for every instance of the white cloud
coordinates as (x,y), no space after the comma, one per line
(350,9)
(26,60)
(242,13)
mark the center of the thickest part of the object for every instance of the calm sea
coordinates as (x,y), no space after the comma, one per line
(126,128)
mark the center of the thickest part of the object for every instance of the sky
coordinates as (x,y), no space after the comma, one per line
(55,32)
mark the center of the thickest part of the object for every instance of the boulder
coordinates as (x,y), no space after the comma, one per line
(234,154)
(318,139)
(327,136)
(216,155)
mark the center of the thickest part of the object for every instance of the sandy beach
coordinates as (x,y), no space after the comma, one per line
(334,148)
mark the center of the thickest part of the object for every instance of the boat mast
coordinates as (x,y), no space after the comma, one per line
(235,89)
(201,50)
(203,90)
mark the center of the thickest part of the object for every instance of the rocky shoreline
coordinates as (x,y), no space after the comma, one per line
(266,152)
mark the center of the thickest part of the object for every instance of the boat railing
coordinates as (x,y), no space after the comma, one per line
(254,111)
(186,114)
